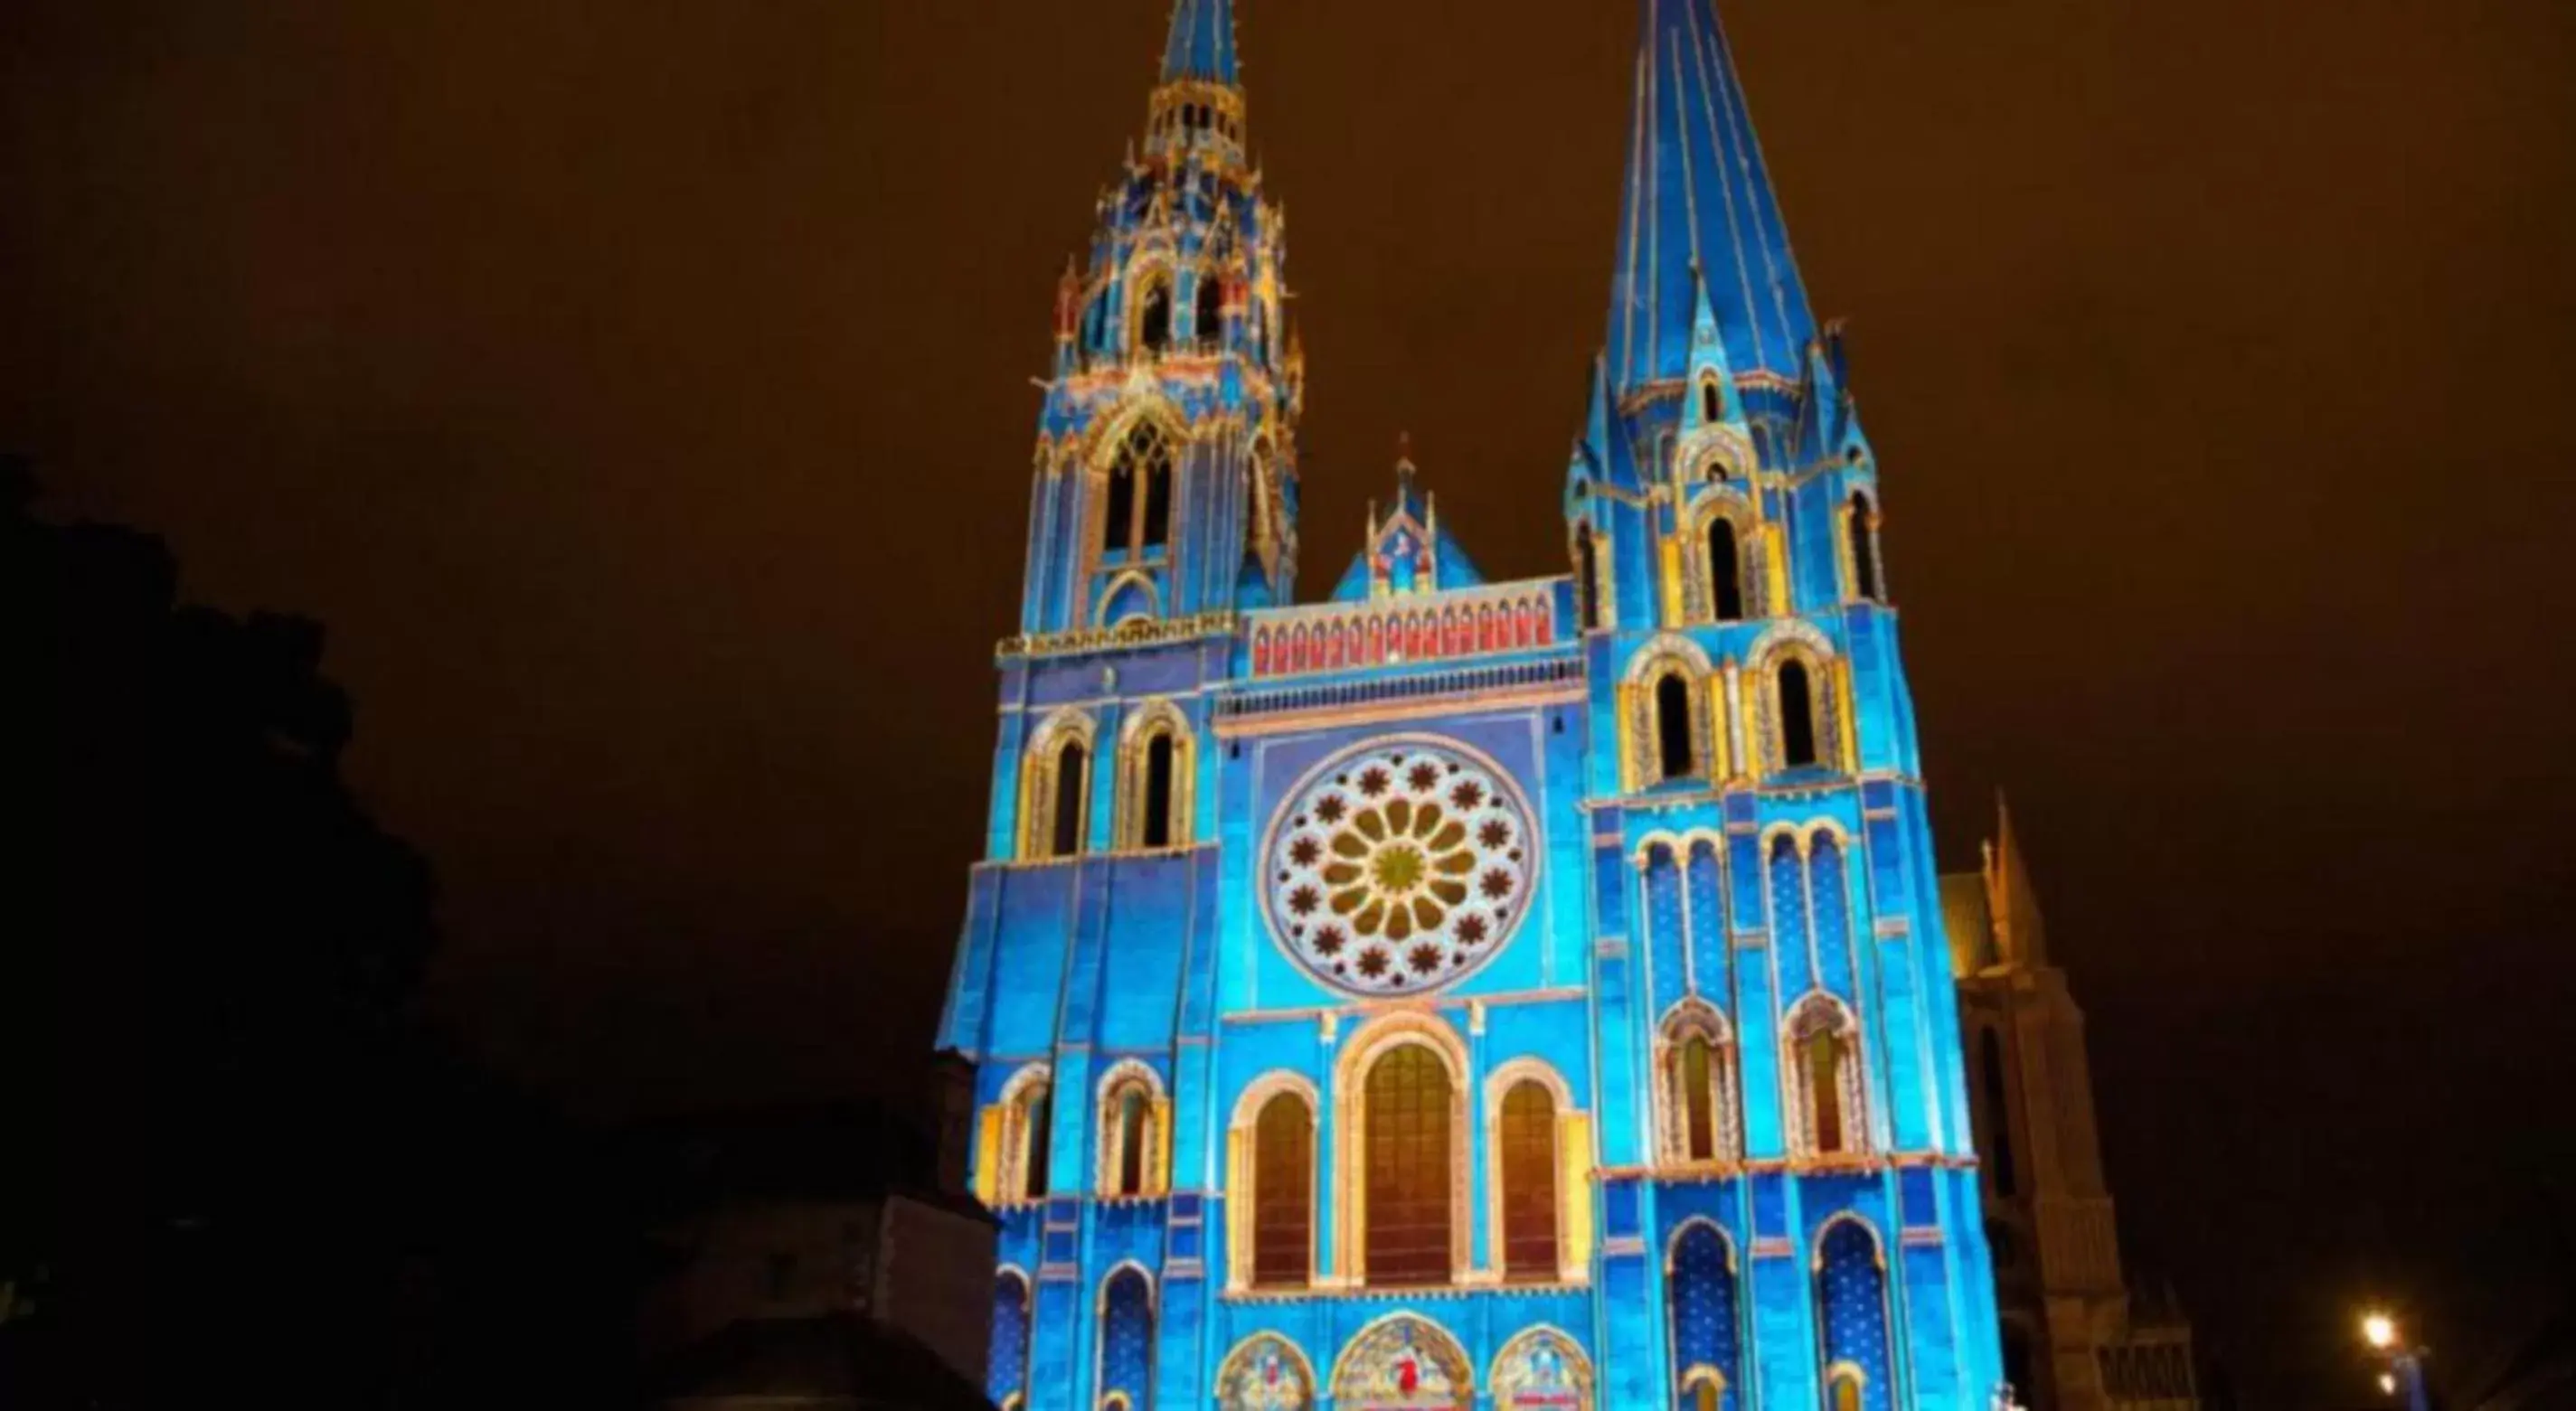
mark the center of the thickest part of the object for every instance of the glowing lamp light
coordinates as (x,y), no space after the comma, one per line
(2380,1331)
(2388,1383)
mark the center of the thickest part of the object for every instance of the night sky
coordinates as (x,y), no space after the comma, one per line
(640,392)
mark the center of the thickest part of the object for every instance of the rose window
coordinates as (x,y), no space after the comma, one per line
(1400,868)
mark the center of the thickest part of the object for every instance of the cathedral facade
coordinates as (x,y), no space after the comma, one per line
(1456,993)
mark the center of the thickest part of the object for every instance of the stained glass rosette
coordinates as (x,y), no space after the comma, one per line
(1400,868)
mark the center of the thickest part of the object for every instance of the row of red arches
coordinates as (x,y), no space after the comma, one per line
(1412,636)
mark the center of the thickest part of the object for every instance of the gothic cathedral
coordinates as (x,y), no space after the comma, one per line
(1455,993)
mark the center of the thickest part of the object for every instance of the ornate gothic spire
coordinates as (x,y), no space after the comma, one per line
(1698,196)
(1201,47)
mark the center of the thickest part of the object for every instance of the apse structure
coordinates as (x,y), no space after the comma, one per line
(1456,992)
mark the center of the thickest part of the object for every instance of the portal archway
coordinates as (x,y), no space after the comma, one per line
(1403,1362)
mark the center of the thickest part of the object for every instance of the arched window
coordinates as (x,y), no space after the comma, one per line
(1158,791)
(1851,1312)
(1712,403)
(1700,1284)
(1154,323)
(1698,1087)
(1725,571)
(1154,780)
(1674,753)
(1824,1061)
(1861,523)
(1528,1158)
(1407,1168)
(1587,577)
(1156,530)
(1797,716)
(1072,773)
(1999,1140)
(1118,513)
(1026,1134)
(1211,310)
(1007,1371)
(1136,508)
(1131,1132)
(1283,1185)
(1127,1341)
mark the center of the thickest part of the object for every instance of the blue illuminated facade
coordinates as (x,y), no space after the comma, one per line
(1454,992)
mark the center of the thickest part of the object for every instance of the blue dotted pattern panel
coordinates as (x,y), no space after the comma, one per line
(1789,921)
(1009,1368)
(1705,1330)
(1833,917)
(1852,1294)
(1127,1339)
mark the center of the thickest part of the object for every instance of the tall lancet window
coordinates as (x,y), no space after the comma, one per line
(1797,716)
(1126,1364)
(1825,1079)
(1725,571)
(1674,755)
(1406,1166)
(1154,320)
(1528,1172)
(1072,772)
(1283,1182)
(1860,521)
(1136,503)
(1587,576)
(1211,310)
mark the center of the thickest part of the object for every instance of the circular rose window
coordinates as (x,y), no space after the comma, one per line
(1399,867)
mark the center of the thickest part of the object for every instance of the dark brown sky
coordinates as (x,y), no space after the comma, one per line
(639,390)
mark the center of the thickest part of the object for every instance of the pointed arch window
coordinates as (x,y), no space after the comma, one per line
(1675,757)
(1154,317)
(1825,1077)
(1132,1133)
(1211,310)
(1712,402)
(1698,1087)
(1528,1171)
(1154,810)
(1406,1165)
(1055,789)
(1072,770)
(1587,577)
(1283,1193)
(1797,716)
(1136,506)
(1725,571)
(1012,1164)
(1860,525)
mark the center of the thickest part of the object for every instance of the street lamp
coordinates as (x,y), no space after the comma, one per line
(2405,1364)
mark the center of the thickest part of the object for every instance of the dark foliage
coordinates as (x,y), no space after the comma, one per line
(237,1171)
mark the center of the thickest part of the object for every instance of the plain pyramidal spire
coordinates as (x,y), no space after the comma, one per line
(1698,198)
(1201,46)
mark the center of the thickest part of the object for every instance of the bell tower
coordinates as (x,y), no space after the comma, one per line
(1166,483)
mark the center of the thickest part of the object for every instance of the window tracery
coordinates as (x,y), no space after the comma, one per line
(1402,1131)
(1011,1161)
(1829,1119)
(1802,715)
(1700,1125)
(1400,867)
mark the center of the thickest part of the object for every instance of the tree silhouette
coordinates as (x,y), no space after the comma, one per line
(244,1158)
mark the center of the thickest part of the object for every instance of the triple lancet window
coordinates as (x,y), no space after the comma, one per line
(1403,1178)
